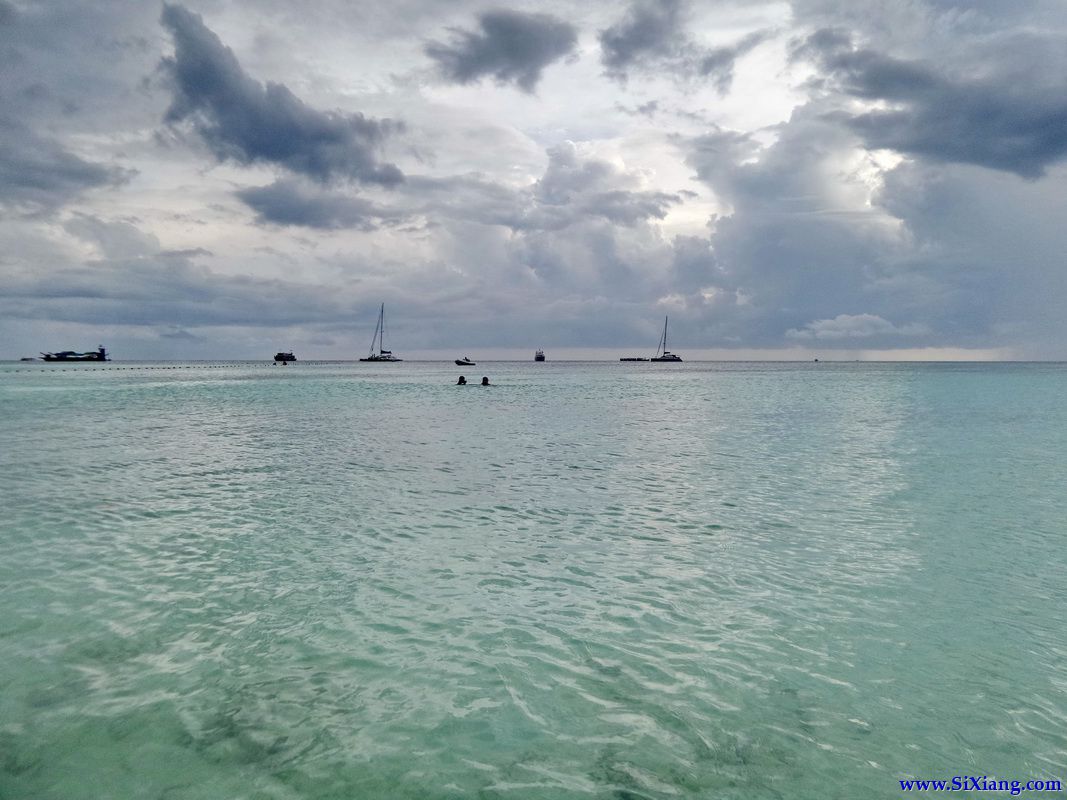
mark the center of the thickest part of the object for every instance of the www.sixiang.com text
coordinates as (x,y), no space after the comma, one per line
(980,783)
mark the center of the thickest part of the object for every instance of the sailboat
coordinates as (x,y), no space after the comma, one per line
(662,353)
(381,354)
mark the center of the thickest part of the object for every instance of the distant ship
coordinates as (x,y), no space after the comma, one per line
(284,357)
(539,355)
(465,362)
(100,354)
(380,354)
(633,358)
(662,353)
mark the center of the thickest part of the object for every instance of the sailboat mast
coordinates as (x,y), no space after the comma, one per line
(664,334)
(377,330)
(381,341)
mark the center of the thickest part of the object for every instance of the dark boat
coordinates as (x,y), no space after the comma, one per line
(465,362)
(662,353)
(381,354)
(100,354)
(283,357)
(539,355)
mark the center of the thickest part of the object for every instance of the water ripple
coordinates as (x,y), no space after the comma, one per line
(590,581)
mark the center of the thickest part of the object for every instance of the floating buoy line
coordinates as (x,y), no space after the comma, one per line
(132,369)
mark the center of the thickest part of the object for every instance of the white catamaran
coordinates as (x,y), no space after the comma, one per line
(662,353)
(380,353)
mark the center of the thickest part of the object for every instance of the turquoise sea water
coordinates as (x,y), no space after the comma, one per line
(588,581)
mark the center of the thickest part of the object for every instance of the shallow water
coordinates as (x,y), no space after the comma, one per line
(589,580)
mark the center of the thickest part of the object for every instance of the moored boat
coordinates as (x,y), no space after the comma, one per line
(662,353)
(100,354)
(380,354)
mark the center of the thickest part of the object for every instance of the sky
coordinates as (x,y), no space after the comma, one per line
(813,178)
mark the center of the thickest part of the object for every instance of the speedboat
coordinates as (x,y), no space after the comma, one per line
(465,362)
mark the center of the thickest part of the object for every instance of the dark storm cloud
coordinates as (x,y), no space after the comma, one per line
(512,47)
(287,202)
(652,29)
(248,122)
(1009,114)
(652,37)
(38,174)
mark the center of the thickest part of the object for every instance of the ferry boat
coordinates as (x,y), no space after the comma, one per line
(284,357)
(100,354)
(539,355)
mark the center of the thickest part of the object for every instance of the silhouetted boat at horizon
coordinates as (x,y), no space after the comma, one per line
(465,362)
(662,353)
(284,357)
(539,355)
(100,354)
(379,338)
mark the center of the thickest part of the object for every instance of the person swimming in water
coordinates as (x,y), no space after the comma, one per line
(485,381)
(462,381)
